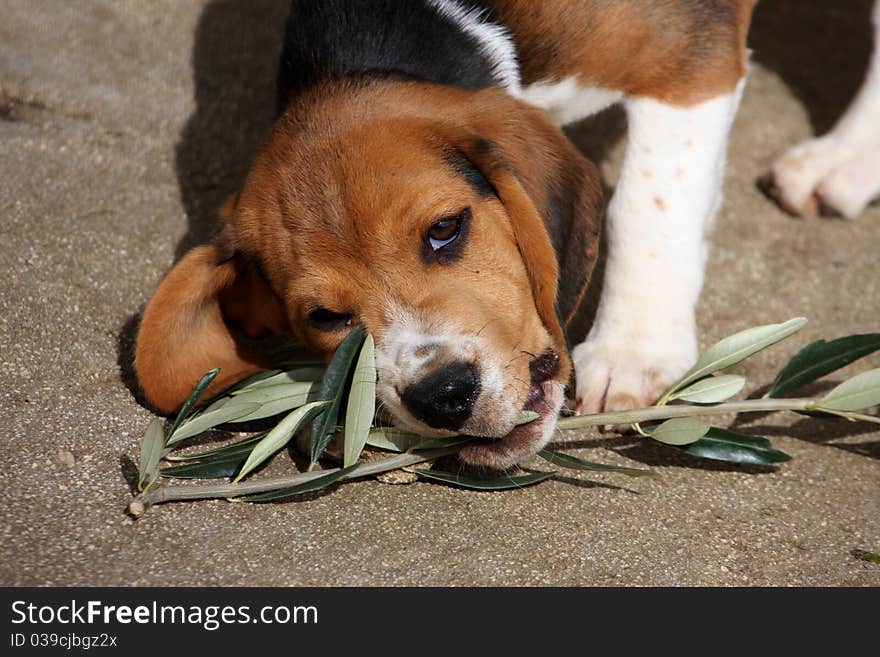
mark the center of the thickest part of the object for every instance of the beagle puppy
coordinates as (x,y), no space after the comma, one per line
(417,182)
(840,171)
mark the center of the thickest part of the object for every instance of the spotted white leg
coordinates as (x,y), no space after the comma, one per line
(644,335)
(841,169)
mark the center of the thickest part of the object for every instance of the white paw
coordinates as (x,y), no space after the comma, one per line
(853,185)
(826,175)
(615,375)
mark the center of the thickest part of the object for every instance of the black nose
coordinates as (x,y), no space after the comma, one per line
(445,398)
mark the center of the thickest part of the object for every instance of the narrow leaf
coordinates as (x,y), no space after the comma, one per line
(280,436)
(266,394)
(725,445)
(292,491)
(152,446)
(858,393)
(277,377)
(393,440)
(272,400)
(500,483)
(224,465)
(210,419)
(194,397)
(239,447)
(574,463)
(679,431)
(333,390)
(219,402)
(270,409)
(439,443)
(737,347)
(525,417)
(821,358)
(361,404)
(252,380)
(712,390)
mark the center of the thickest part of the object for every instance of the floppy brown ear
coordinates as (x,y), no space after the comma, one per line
(194,321)
(553,196)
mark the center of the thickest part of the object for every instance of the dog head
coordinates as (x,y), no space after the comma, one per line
(459,227)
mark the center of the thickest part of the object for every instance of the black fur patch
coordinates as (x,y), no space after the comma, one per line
(331,39)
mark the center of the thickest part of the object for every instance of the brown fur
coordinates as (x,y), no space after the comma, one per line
(679,51)
(185,329)
(354,174)
(340,224)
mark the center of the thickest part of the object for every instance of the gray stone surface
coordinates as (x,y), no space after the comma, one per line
(124,123)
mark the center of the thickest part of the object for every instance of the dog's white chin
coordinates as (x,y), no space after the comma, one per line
(524,440)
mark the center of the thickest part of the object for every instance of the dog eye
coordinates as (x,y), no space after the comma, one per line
(445,232)
(327,320)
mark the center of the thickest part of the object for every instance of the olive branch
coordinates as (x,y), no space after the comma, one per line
(339,401)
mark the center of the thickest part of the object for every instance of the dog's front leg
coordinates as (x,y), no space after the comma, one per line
(644,335)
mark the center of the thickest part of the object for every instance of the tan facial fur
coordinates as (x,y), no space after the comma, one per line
(354,241)
(334,215)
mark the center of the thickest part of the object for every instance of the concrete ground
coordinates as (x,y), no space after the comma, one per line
(123,124)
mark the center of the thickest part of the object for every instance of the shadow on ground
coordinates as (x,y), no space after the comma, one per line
(821,74)
(235,106)
(234,61)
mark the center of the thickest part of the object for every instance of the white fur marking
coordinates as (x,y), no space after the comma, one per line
(566,100)
(495,41)
(399,366)
(644,334)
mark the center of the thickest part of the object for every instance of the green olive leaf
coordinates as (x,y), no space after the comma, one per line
(152,446)
(266,394)
(858,393)
(253,380)
(219,402)
(209,419)
(280,436)
(273,400)
(737,347)
(193,398)
(500,483)
(440,443)
(239,447)
(333,389)
(574,463)
(277,407)
(726,445)
(278,377)
(361,404)
(712,390)
(679,431)
(215,467)
(820,358)
(525,417)
(292,491)
(394,440)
